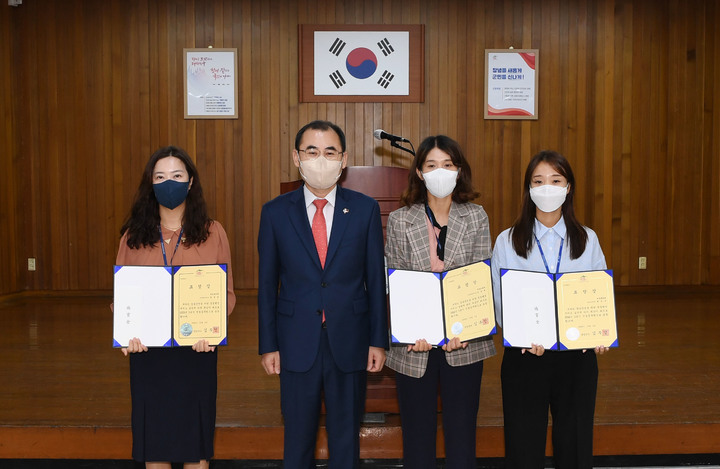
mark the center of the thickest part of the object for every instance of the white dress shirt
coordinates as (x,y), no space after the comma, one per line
(328,210)
(505,257)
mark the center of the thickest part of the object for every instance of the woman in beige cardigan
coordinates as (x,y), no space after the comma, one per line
(438,229)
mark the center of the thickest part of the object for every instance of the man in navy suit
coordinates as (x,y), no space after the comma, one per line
(322,307)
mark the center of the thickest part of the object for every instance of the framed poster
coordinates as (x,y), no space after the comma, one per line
(511,81)
(361,63)
(210,83)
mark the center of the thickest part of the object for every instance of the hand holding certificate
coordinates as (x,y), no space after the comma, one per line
(170,306)
(569,311)
(440,306)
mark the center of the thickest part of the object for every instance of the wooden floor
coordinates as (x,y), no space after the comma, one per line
(64,391)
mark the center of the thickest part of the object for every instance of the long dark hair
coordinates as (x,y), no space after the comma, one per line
(522,229)
(416,193)
(142,223)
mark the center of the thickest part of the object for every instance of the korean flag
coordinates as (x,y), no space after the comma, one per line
(360,63)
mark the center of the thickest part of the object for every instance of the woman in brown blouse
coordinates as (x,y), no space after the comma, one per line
(173,389)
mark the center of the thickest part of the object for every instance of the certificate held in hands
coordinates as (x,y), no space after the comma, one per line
(440,306)
(567,311)
(170,306)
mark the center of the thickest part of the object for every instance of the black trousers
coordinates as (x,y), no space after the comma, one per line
(460,394)
(565,382)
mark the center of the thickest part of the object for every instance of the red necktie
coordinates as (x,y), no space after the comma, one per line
(319,230)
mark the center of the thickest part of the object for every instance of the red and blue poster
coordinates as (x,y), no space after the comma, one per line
(511,85)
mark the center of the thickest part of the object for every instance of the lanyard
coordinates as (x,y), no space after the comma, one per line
(557,269)
(162,244)
(440,249)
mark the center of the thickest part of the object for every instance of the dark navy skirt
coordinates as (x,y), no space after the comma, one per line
(173,391)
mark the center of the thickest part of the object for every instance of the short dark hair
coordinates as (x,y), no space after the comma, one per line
(416,193)
(142,223)
(320,125)
(523,228)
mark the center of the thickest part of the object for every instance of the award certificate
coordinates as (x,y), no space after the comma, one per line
(200,304)
(140,305)
(528,309)
(170,306)
(586,310)
(440,306)
(567,311)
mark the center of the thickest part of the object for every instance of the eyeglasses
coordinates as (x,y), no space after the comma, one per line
(329,154)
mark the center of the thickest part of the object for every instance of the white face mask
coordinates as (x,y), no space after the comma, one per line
(548,198)
(320,173)
(440,182)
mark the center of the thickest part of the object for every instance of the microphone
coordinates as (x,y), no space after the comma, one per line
(382,135)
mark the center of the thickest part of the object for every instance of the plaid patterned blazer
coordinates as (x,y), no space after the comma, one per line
(407,247)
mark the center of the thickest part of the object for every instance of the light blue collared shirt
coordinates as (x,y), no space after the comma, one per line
(328,210)
(505,257)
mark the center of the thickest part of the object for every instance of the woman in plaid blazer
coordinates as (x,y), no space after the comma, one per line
(438,229)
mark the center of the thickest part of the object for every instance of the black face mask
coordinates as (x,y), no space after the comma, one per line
(171,193)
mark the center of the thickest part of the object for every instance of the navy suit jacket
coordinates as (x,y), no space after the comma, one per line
(294,289)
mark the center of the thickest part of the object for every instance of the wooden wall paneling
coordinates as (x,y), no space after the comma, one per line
(569,37)
(375,147)
(643,75)
(715,152)
(70,187)
(566,83)
(428,15)
(447,70)
(286,80)
(209,131)
(94,180)
(155,57)
(227,192)
(712,147)
(9,217)
(622,148)
(27,82)
(124,159)
(579,24)
(460,56)
(658,131)
(273,87)
(705,181)
(111,218)
(629,95)
(676,52)
(83,169)
(664,129)
(53,207)
(473,89)
(684,146)
(368,142)
(184,35)
(409,114)
(549,67)
(262,184)
(693,187)
(578,59)
(602,196)
(245,216)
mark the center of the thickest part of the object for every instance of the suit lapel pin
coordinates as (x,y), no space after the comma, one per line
(346,210)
